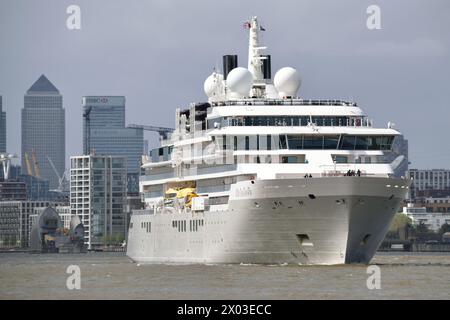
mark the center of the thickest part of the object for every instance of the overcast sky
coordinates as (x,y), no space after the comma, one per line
(158,53)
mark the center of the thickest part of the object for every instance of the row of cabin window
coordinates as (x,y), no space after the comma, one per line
(181,225)
(147,226)
(194,224)
(328,121)
(302,142)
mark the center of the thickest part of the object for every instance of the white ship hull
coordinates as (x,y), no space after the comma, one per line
(326,220)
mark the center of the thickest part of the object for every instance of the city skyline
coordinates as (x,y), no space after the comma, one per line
(396,74)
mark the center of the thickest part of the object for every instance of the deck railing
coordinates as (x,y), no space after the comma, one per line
(284,102)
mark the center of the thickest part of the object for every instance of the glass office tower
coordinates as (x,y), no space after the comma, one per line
(43,131)
(104,133)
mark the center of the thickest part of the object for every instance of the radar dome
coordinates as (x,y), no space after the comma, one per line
(287,81)
(240,80)
(212,84)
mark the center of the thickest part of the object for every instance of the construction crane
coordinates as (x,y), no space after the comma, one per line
(5,160)
(163,131)
(86,115)
(37,171)
(60,178)
(27,163)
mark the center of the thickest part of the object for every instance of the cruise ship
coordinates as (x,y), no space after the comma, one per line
(259,174)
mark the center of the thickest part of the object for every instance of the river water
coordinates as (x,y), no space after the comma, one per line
(115,276)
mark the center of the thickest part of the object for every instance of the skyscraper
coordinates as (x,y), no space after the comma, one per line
(98,196)
(2,128)
(104,133)
(43,130)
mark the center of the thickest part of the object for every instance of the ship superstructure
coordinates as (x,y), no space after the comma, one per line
(258,174)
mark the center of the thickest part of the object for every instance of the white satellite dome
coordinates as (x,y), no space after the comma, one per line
(240,81)
(287,81)
(212,84)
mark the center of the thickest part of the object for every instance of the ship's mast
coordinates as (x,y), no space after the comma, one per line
(254,51)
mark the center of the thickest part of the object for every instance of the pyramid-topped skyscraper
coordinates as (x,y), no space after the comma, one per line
(43,86)
(43,131)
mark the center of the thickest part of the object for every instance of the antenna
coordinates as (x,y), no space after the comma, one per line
(254,50)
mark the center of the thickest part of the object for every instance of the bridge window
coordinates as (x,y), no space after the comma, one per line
(330,142)
(295,142)
(313,142)
(360,143)
(348,143)
(366,142)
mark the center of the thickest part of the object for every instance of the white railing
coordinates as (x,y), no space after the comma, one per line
(286,102)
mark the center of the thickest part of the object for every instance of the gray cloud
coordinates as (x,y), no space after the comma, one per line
(158,53)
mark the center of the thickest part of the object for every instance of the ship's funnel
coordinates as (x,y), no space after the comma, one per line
(230,61)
